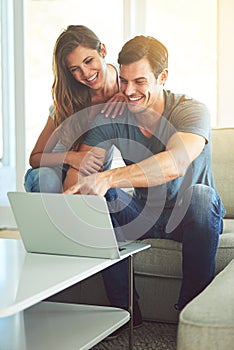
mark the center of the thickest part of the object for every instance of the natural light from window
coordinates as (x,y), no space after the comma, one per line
(1,131)
(189,35)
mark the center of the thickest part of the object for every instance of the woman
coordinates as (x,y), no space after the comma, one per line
(81,79)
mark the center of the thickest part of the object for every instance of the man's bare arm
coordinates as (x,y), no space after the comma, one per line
(158,169)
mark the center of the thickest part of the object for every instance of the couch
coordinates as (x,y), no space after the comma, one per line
(158,270)
(207,322)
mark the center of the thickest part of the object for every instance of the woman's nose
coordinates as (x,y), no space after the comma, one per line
(84,71)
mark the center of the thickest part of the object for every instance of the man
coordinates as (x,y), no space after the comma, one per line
(164,139)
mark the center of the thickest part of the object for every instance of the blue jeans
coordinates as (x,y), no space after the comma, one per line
(45,179)
(198,230)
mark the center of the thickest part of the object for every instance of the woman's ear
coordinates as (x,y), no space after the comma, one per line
(103,50)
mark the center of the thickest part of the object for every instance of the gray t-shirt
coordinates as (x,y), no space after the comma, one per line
(181,114)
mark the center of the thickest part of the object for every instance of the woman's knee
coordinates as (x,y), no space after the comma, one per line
(43,179)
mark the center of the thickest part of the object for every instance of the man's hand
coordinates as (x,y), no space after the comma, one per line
(92,184)
(115,105)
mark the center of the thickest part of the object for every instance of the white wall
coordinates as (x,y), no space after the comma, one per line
(225,67)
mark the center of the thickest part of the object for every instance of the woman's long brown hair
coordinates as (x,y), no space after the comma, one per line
(69,96)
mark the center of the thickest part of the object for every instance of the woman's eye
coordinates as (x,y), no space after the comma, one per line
(74,69)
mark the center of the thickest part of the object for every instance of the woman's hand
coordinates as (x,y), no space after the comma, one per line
(115,105)
(86,162)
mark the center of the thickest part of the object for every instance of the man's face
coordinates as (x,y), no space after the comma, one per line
(142,89)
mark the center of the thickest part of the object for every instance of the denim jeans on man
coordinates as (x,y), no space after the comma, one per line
(198,231)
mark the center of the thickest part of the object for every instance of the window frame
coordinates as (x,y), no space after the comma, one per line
(13,105)
(7,90)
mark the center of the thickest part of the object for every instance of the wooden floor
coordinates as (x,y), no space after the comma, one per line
(12,234)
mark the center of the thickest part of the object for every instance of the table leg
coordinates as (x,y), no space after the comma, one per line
(131,301)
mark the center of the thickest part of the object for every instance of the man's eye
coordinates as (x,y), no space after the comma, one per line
(140,82)
(88,60)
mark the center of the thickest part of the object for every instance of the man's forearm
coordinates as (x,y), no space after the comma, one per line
(152,171)
(144,174)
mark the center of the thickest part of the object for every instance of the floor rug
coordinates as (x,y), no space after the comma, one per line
(151,336)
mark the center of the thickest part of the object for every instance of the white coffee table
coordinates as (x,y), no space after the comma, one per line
(28,323)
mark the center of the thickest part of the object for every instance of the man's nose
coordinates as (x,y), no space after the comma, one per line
(130,89)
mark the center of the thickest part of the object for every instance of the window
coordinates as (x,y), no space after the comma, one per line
(1,131)
(45,20)
(7,129)
(191,39)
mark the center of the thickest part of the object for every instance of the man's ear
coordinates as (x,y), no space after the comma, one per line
(103,51)
(163,76)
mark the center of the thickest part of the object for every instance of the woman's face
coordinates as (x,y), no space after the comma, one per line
(88,66)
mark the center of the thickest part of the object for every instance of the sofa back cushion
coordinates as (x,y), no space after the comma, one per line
(223,166)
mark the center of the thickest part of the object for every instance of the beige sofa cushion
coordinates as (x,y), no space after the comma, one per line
(223,166)
(207,322)
(164,257)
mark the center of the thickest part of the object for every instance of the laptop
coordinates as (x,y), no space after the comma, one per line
(65,224)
